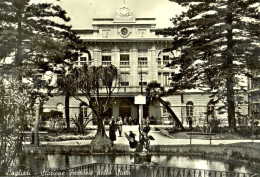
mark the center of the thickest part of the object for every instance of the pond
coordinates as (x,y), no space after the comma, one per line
(58,161)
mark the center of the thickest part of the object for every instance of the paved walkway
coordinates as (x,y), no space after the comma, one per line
(159,139)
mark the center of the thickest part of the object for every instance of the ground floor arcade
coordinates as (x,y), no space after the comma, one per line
(186,106)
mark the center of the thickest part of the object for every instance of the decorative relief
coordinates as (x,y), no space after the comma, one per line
(124,11)
(124,32)
(124,14)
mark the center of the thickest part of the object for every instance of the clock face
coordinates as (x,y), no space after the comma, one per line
(124,31)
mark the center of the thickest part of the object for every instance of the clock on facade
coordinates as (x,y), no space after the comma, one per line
(124,31)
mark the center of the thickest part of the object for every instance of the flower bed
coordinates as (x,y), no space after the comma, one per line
(89,136)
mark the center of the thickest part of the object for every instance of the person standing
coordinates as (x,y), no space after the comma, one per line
(126,120)
(190,122)
(130,121)
(112,118)
(146,128)
(112,132)
(120,126)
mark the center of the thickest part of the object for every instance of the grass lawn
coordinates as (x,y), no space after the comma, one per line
(221,133)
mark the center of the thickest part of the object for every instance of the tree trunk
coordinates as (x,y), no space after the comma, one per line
(165,104)
(18,55)
(67,110)
(101,143)
(231,106)
(230,75)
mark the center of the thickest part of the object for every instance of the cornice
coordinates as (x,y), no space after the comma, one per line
(130,40)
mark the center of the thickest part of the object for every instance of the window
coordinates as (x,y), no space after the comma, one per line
(159,78)
(124,56)
(255,82)
(142,56)
(189,109)
(159,61)
(83,60)
(106,55)
(210,111)
(142,79)
(60,107)
(166,60)
(124,84)
(84,111)
(125,79)
(106,60)
(124,60)
(166,79)
(142,83)
(254,108)
(142,61)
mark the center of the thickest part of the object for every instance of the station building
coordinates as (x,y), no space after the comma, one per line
(130,43)
(254,93)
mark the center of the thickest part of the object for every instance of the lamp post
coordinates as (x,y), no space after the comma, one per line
(141,108)
(140,100)
(36,124)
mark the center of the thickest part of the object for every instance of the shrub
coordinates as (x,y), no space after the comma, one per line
(53,114)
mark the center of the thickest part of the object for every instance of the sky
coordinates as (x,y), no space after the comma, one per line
(82,11)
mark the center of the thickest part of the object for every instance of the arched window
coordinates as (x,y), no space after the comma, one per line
(189,109)
(84,110)
(210,111)
(60,107)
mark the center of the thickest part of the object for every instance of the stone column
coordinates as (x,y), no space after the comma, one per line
(97,56)
(152,64)
(134,75)
(115,56)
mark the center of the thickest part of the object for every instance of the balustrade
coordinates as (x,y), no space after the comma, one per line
(137,170)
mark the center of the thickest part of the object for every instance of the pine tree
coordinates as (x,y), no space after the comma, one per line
(222,38)
(32,34)
(36,40)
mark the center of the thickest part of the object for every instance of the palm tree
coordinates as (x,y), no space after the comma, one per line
(64,84)
(156,91)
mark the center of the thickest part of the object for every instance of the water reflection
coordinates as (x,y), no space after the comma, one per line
(58,161)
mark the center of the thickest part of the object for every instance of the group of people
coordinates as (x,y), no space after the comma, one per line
(129,120)
(144,139)
(115,125)
(151,120)
(126,120)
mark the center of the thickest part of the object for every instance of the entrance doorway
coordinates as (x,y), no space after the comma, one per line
(109,112)
(125,108)
(146,111)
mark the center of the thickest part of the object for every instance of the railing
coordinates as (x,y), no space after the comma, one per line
(102,169)
(128,89)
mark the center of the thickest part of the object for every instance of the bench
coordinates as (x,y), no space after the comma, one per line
(28,135)
(201,133)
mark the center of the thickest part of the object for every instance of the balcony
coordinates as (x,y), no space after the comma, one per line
(125,91)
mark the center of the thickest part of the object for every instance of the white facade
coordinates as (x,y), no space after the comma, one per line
(131,45)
